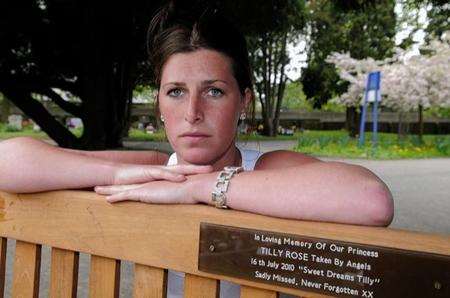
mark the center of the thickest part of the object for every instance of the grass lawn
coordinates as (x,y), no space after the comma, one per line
(27,131)
(338,144)
(318,143)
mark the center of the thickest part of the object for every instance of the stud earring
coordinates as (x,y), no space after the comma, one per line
(243,116)
(162,118)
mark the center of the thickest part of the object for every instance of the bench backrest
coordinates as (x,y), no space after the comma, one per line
(161,237)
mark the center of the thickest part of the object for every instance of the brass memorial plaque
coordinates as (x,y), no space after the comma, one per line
(329,267)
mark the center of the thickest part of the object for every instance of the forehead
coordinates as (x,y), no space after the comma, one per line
(198,65)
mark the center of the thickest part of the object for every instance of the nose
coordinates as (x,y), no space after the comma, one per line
(194,111)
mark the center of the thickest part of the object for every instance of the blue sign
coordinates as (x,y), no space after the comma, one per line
(373,81)
(372,91)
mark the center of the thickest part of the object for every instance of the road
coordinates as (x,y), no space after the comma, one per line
(421,191)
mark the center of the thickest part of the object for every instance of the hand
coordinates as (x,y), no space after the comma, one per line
(157,192)
(137,174)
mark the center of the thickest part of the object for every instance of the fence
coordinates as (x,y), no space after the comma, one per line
(264,255)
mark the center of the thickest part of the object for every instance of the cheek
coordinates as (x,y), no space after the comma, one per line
(225,121)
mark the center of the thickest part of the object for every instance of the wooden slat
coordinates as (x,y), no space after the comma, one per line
(200,287)
(167,236)
(64,273)
(104,278)
(2,265)
(149,282)
(249,292)
(27,265)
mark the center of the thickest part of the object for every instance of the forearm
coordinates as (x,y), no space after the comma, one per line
(129,157)
(333,192)
(29,165)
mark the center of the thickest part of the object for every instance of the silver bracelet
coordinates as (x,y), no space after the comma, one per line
(220,188)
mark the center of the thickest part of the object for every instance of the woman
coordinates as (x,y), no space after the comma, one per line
(204,88)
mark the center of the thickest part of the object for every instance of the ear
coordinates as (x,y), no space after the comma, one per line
(248,97)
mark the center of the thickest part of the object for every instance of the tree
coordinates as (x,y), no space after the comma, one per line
(4,109)
(437,18)
(362,28)
(90,50)
(408,83)
(269,57)
(294,98)
(421,81)
(94,50)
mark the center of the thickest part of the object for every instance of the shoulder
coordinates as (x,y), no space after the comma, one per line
(283,159)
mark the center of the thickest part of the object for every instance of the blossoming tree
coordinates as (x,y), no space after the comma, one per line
(408,83)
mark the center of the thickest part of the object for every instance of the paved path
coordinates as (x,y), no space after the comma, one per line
(421,190)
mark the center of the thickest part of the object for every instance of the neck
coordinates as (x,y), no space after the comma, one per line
(231,158)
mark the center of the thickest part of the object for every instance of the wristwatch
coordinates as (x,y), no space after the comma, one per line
(220,188)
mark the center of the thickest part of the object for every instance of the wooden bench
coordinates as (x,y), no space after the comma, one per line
(157,238)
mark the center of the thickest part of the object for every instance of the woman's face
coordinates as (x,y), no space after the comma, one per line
(200,101)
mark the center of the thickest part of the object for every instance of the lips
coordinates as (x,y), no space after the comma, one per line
(194,138)
(194,134)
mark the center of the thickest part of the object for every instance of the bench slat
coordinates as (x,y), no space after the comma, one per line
(64,273)
(200,287)
(104,278)
(149,282)
(2,265)
(250,292)
(167,236)
(27,264)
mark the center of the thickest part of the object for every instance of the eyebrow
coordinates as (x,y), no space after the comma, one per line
(207,82)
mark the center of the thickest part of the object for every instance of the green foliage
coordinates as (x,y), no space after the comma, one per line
(144,93)
(438,15)
(139,135)
(7,132)
(10,128)
(338,144)
(363,28)
(294,98)
(269,56)
(437,112)
(333,107)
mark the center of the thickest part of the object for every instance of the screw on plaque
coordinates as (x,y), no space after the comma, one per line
(211,248)
(437,285)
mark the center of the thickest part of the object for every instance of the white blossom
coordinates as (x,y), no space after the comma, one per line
(406,83)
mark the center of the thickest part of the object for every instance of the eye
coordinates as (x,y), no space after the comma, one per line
(215,92)
(175,92)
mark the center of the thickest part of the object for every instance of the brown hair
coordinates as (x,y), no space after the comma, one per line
(176,30)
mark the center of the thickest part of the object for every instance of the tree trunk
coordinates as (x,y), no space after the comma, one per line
(352,121)
(421,123)
(269,129)
(107,80)
(401,127)
(5,108)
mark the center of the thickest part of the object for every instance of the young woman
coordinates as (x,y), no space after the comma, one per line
(204,87)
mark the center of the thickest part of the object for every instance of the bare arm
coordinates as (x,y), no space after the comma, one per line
(284,184)
(31,165)
(129,157)
(319,191)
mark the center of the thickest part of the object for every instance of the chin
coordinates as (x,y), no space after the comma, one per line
(198,156)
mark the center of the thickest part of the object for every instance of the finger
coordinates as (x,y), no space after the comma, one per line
(191,169)
(112,189)
(122,196)
(164,174)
